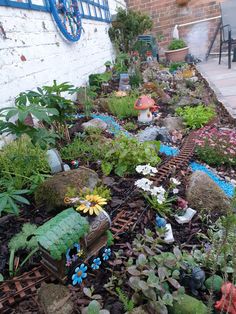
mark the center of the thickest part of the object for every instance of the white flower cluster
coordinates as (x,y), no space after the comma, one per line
(146,185)
(146,169)
(175,182)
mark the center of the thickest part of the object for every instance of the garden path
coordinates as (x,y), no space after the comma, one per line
(222,80)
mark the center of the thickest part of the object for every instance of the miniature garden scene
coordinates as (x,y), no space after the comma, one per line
(118,195)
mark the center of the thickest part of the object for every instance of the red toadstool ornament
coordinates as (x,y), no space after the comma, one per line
(228,299)
(144,104)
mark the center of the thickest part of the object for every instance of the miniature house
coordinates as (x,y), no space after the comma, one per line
(69,240)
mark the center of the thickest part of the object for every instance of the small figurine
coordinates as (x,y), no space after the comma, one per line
(187,217)
(197,280)
(160,222)
(144,104)
(228,300)
(169,238)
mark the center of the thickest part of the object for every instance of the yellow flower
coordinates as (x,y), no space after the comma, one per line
(92,204)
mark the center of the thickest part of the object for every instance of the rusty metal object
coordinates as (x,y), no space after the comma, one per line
(21,286)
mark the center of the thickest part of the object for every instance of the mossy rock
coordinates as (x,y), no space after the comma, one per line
(51,193)
(188,305)
(214,282)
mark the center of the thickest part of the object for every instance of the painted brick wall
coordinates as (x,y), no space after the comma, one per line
(33,52)
(166,14)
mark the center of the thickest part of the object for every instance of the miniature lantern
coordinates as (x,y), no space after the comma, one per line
(144,104)
(124,82)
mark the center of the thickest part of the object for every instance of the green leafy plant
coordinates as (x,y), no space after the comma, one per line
(196,117)
(122,107)
(86,96)
(1,278)
(127,26)
(122,63)
(110,238)
(48,106)
(127,303)
(11,199)
(124,154)
(176,65)
(20,160)
(154,276)
(219,252)
(130,126)
(23,240)
(96,80)
(177,44)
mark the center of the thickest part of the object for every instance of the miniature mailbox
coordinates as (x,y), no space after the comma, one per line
(72,244)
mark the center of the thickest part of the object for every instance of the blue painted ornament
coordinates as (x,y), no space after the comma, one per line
(160,222)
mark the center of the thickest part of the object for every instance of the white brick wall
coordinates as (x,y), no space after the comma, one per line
(33,36)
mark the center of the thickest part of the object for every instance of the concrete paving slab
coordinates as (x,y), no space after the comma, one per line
(222,80)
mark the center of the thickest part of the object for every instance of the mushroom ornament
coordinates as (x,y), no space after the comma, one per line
(144,104)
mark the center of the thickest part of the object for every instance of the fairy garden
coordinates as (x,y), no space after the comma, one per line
(125,195)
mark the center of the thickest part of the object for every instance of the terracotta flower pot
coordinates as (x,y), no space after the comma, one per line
(182,2)
(176,55)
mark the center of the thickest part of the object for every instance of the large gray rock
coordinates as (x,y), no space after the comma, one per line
(51,193)
(172,123)
(204,194)
(153,133)
(55,299)
(94,123)
(187,101)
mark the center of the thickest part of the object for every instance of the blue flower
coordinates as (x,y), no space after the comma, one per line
(96,263)
(106,254)
(80,274)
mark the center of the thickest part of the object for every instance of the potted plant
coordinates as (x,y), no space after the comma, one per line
(177,50)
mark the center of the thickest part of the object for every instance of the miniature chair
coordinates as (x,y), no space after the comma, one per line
(228,27)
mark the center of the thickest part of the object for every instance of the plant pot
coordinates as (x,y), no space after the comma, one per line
(182,2)
(176,55)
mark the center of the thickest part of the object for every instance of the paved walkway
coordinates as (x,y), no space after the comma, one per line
(222,80)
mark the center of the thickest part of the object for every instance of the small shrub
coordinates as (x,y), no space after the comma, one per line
(96,80)
(20,160)
(196,117)
(122,107)
(217,147)
(177,44)
(124,154)
(130,126)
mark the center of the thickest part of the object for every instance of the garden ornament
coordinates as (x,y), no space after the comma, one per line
(169,238)
(54,161)
(144,104)
(187,217)
(160,222)
(197,280)
(228,300)
(124,82)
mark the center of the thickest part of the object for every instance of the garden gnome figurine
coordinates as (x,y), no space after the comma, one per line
(144,104)
(228,300)
(197,280)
